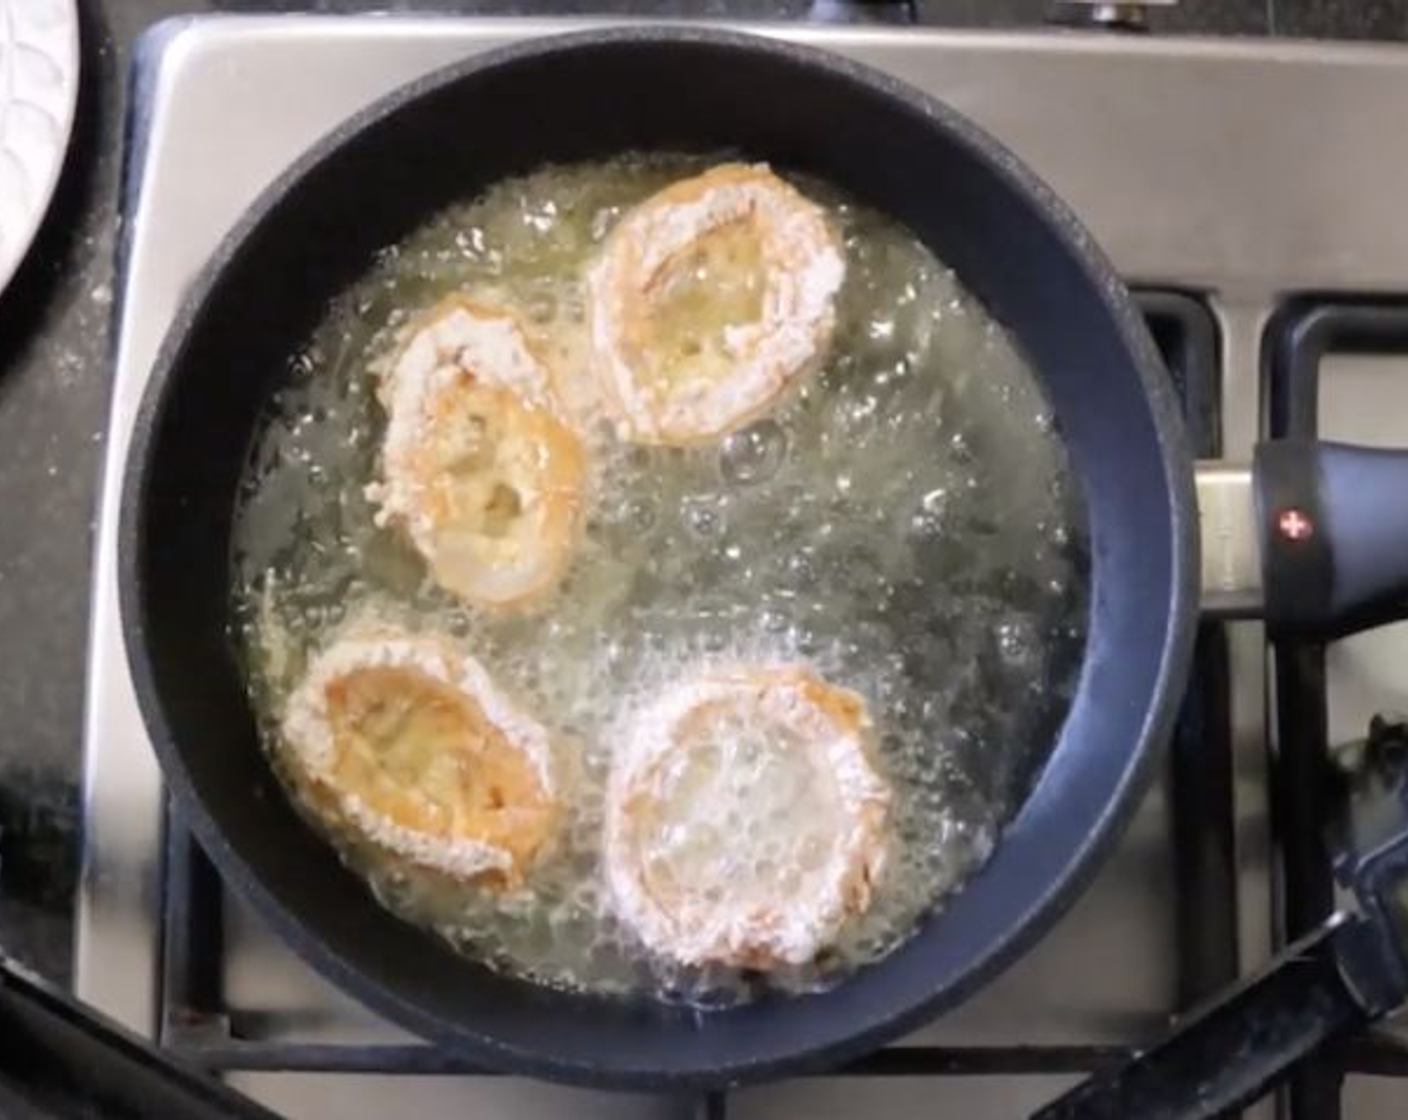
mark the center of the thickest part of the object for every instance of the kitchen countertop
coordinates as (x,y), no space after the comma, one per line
(55,344)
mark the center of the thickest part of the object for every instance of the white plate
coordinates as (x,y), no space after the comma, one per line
(38,96)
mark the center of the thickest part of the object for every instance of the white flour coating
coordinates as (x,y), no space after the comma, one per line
(460,856)
(695,929)
(307,730)
(804,268)
(461,338)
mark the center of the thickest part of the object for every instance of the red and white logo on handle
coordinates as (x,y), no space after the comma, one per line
(1294,525)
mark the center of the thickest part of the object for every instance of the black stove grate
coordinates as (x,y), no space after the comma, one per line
(197,1024)
(1298,340)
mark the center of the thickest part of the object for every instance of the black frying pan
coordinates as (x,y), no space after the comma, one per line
(444,138)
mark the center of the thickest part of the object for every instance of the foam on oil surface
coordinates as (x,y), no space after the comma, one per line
(905,524)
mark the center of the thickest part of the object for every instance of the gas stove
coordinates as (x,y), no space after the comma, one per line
(1246,189)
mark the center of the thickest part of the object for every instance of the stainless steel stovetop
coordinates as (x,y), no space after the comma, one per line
(1239,171)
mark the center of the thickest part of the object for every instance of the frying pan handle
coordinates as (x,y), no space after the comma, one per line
(57,1052)
(1313,537)
(1334,533)
(1324,987)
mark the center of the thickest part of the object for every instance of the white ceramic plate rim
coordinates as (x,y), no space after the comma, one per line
(17,242)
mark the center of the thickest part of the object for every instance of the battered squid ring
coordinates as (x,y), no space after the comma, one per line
(407,741)
(478,467)
(683,363)
(677,868)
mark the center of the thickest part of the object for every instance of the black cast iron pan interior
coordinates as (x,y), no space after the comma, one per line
(443,139)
